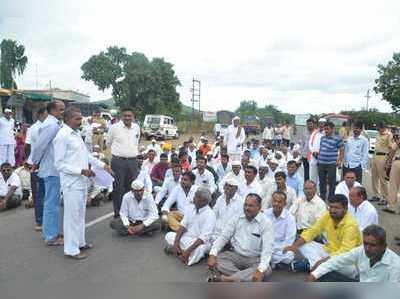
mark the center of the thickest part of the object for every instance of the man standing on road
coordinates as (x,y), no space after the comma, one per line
(268,133)
(7,139)
(72,159)
(123,140)
(393,161)
(314,148)
(304,147)
(235,136)
(43,157)
(329,158)
(382,148)
(356,152)
(98,126)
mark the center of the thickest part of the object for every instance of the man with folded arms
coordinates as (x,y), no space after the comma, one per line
(192,241)
(251,237)
(374,261)
(138,213)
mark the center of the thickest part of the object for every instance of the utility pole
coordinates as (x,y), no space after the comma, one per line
(36,77)
(367,96)
(195,99)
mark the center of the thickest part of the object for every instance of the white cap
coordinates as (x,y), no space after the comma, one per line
(322,120)
(7,110)
(274,160)
(236,117)
(153,140)
(137,185)
(231,181)
(236,163)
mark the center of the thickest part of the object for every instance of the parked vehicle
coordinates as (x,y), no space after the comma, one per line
(371,135)
(251,125)
(159,127)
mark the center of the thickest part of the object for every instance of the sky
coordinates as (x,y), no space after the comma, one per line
(301,56)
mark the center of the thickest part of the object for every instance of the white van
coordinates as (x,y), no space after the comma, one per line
(159,126)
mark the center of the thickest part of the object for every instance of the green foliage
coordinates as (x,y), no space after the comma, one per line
(147,86)
(388,83)
(372,117)
(250,108)
(12,62)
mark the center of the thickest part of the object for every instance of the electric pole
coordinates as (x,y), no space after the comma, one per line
(195,99)
(367,96)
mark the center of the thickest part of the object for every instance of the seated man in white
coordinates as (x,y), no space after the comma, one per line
(138,213)
(273,165)
(144,175)
(309,208)
(374,261)
(169,185)
(10,188)
(341,232)
(284,230)
(349,182)
(250,185)
(280,185)
(151,160)
(250,236)
(361,209)
(227,206)
(264,180)
(204,178)
(183,196)
(236,173)
(193,239)
(223,167)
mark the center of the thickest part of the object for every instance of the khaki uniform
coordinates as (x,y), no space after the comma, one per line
(98,134)
(382,147)
(394,181)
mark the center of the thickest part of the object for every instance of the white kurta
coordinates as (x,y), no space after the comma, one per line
(233,143)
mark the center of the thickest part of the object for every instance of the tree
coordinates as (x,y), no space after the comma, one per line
(12,62)
(388,83)
(148,86)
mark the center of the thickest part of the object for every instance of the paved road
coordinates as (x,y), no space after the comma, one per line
(25,261)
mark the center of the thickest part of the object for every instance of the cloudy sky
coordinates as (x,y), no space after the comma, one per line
(302,56)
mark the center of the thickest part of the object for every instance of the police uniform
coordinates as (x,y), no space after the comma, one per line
(382,147)
(394,181)
(97,137)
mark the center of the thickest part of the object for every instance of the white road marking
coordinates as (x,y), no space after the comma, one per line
(95,221)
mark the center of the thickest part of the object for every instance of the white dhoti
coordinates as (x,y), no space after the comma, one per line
(279,257)
(7,154)
(74,220)
(314,176)
(186,242)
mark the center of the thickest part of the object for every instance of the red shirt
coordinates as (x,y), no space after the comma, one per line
(186,166)
(158,171)
(204,149)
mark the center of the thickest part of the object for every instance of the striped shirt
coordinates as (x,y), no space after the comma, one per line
(328,152)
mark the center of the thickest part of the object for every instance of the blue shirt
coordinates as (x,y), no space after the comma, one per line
(329,148)
(43,153)
(356,152)
(296,182)
(255,153)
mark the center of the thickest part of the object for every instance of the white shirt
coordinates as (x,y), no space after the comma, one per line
(147,164)
(146,180)
(199,224)
(245,189)
(124,141)
(249,238)
(240,179)
(166,189)
(7,131)
(71,156)
(205,180)
(268,133)
(156,147)
(221,172)
(314,145)
(365,214)
(307,212)
(290,197)
(284,229)
(234,144)
(342,188)
(12,181)
(134,210)
(24,176)
(32,135)
(386,270)
(179,197)
(226,212)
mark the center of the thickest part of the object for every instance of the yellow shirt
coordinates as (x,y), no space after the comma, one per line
(342,238)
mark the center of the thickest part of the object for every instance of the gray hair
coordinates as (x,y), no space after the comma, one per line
(204,193)
(70,112)
(377,232)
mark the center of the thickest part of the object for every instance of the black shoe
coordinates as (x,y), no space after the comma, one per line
(387,210)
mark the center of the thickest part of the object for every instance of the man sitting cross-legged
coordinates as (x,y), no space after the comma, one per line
(251,238)
(192,241)
(138,213)
(10,188)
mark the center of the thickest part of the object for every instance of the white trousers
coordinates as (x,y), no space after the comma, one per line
(279,257)
(196,255)
(314,176)
(7,154)
(74,220)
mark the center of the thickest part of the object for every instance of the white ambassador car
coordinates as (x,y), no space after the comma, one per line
(371,135)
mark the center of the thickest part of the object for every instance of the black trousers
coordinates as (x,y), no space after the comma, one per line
(336,277)
(357,170)
(125,171)
(306,167)
(327,179)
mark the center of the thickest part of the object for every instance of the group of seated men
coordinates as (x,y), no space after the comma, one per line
(254,217)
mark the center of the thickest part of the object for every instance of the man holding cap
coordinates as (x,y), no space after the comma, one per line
(7,140)
(138,213)
(234,139)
